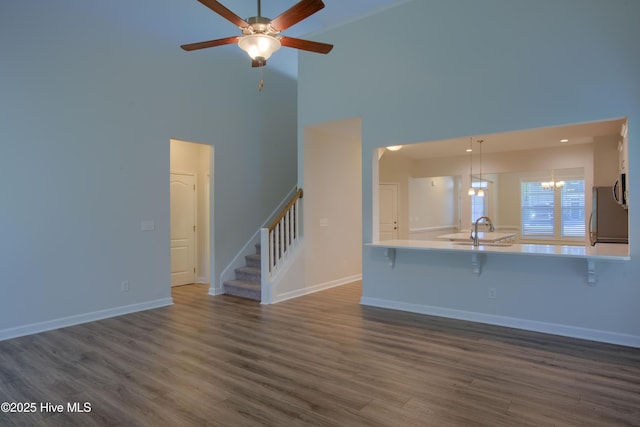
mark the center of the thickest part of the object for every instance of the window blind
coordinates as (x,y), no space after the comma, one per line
(538,217)
(573,221)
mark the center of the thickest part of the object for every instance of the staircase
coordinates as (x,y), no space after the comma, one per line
(254,280)
(247,281)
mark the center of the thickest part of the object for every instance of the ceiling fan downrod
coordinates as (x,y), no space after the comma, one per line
(259,14)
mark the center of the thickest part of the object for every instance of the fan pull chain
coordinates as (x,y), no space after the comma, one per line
(261,84)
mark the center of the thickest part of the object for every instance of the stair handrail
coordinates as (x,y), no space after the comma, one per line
(286,209)
(277,243)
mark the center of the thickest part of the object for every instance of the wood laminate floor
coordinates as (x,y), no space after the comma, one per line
(317,360)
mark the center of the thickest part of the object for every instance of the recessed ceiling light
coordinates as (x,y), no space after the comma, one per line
(394,147)
(564,140)
(468,150)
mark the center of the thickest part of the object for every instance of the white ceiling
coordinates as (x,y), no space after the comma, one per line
(207,25)
(514,141)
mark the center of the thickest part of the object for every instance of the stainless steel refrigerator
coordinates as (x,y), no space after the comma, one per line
(609,222)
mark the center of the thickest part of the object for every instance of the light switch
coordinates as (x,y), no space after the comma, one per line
(148,225)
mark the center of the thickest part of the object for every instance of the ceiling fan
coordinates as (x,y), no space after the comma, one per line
(260,36)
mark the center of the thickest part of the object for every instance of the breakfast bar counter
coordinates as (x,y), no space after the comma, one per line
(600,252)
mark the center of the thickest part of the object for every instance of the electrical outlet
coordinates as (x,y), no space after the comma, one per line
(124,286)
(492,293)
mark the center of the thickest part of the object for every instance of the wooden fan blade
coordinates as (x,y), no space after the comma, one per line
(308,45)
(225,13)
(296,13)
(210,43)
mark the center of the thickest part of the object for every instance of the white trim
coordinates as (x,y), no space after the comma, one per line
(215,291)
(511,322)
(207,226)
(77,319)
(202,280)
(316,288)
(266,278)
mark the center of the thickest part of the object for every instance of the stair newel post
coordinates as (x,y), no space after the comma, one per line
(265,268)
(296,219)
(272,248)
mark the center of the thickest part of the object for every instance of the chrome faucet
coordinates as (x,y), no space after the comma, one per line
(474,233)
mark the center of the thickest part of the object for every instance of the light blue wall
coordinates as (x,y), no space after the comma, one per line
(435,69)
(88,103)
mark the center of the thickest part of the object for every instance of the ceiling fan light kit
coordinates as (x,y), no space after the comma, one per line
(260,36)
(259,46)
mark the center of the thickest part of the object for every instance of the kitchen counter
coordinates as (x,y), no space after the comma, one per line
(483,236)
(600,252)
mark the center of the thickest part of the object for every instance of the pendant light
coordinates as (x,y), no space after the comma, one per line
(472,191)
(480,191)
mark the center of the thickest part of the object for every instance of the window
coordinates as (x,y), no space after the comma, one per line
(553,210)
(537,210)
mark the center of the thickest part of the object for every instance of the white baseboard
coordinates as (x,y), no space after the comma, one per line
(63,322)
(511,322)
(316,288)
(202,280)
(215,291)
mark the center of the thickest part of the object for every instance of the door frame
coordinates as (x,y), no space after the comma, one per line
(204,210)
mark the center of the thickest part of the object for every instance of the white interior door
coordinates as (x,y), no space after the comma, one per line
(388,211)
(183,229)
